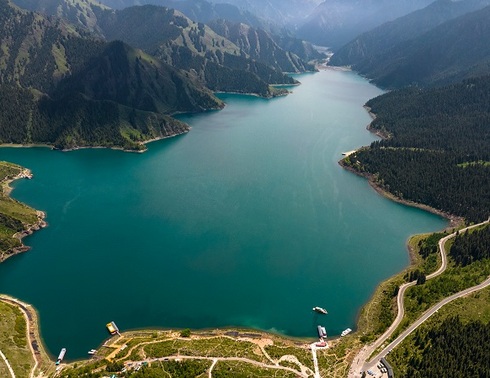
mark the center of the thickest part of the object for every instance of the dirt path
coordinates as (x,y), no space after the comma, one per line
(32,331)
(304,370)
(8,364)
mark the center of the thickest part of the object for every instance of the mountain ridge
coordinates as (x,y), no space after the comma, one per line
(374,42)
(49,68)
(450,52)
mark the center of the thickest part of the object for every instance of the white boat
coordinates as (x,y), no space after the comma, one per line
(346,332)
(61,356)
(322,332)
(92,351)
(320,310)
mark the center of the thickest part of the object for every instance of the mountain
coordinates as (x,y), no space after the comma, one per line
(194,47)
(197,10)
(259,45)
(281,12)
(448,53)
(335,22)
(215,13)
(134,79)
(369,45)
(59,88)
(169,35)
(77,12)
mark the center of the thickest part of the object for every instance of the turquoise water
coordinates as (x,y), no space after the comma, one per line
(247,220)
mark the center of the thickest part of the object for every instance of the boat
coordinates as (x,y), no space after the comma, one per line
(61,356)
(320,310)
(321,331)
(345,332)
(92,351)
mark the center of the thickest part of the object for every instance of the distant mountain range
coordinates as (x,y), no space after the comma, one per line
(330,23)
(252,15)
(280,12)
(333,23)
(375,42)
(440,44)
(144,63)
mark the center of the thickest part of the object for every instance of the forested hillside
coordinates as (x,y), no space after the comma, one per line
(455,50)
(452,350)
(470,247)
(369,46)
(62,88)
(438,150)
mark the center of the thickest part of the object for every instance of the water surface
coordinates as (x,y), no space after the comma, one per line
(248,220)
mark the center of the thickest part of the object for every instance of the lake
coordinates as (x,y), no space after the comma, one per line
(247,220)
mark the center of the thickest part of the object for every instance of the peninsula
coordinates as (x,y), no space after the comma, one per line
(17,220)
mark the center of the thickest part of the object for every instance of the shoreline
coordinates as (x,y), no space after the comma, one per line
(53,148)
(34,340)
(29,228)
(370,179)
(454,221)
(34,330)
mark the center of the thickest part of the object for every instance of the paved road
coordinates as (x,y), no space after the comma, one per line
(426,316)
(361,362)
(315,361)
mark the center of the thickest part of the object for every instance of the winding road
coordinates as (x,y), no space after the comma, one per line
(361,363)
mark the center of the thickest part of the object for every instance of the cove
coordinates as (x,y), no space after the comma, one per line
(246,221)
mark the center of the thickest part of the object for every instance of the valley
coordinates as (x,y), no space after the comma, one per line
(211,247)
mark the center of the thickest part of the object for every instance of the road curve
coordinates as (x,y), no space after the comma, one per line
(361,362)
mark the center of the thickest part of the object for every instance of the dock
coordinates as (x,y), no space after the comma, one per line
(112,328)
(347,153)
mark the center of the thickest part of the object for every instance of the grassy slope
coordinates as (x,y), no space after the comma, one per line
(13,341)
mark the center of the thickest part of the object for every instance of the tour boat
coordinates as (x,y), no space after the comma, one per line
(320,310)
(61,356)
(346,332)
